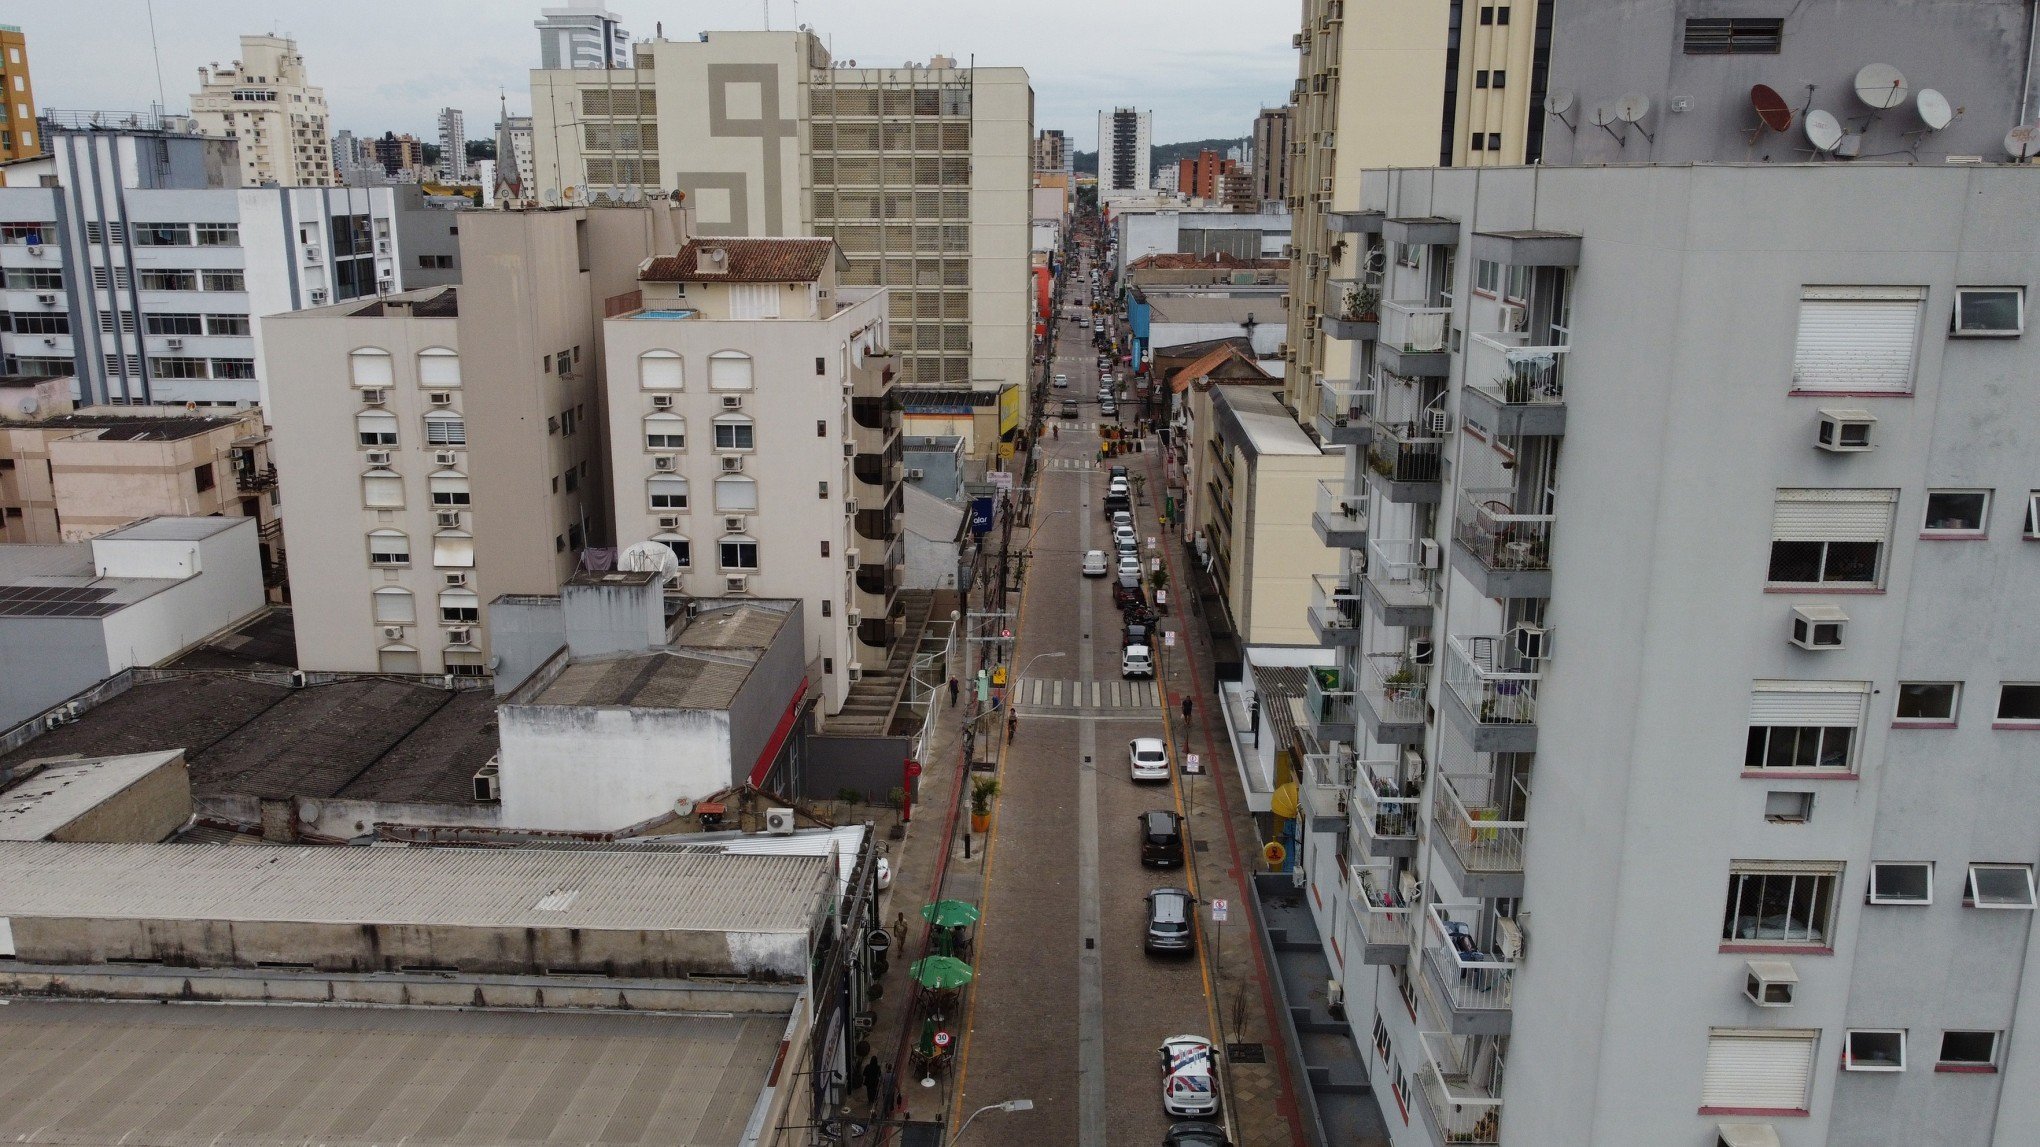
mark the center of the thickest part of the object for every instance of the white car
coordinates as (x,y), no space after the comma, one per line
(1062,381)
(1125,538)
(1105,380)
(1130,564)
(1094,563)
(1137,661)
(1189,1078)
(1122,518)
(1146,756)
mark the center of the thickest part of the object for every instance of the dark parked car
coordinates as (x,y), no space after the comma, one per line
(1195,1135)
(1161,838)
(1139,628)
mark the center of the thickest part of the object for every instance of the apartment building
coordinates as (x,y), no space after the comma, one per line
(1052,151)
(141,276)
(19,136)
(1200,177)
(713,378)
(452,145)
(1274,159)
(920,173)
(448,440)
(265,104)
(1670,783)
(583,35)
(402,157)
(1125,153)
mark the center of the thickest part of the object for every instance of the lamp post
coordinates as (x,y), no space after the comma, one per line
(1009,1105)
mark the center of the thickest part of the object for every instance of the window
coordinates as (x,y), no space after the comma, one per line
(219,234)
(1804,726)
(460,605)
(1957,512)
(1487,276)
(734,432)
(1502,15)
(1480,78)
(736,493)
(33,278)
(1968,1051)
(729,370)
(1501,79)
(227,325)
(382,490)
(394,606)
(40,322)
(1494,139)
(1928,701)
(1785,807)
(2018,703)
(573,478)
(453,549)
(1874,1049)
(1830,537)
(683,551)
(665,432)
(1901,882)
(1734,37)
(436,262)
(1999,886)
(1989,312)
(2032,530)
(233,368)
(223,281)
(449,488)
(667,492)
(162,234)
(438,369)
(1487,15)
(177,367)
(445,428)
(165,280)
(1478,142)
(1774,903)
(659,370)
(738,553)
(172,324)
(1857,339)
(371,368)
(1757,1070)
(376,428)
(388,548)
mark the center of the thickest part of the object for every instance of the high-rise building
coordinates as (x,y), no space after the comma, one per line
(401,157)
(452,145)
(921,174)
(265,104)
(449,440)
(1272,157)
(1124,152)
(583,35)
(516,174)
(1051,151)
(20,138)
(1199,177)
(739,346)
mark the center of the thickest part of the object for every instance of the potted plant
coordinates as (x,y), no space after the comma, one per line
(1400,681)
(1159,579)
(898,799)
(982,790)
(1363,304)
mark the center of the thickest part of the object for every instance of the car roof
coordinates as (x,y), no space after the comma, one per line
(1144,742)
(1160,820)
(1142,651)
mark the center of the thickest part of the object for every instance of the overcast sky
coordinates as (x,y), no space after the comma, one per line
(1204,67)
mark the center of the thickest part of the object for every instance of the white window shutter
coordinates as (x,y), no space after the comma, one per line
(1833,515)
(1809,704)
(1758,1070)
(1857,339)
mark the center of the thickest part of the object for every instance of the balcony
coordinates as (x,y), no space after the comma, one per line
(1328,704)
(1379,914)
(1354,222)
(878,469)
(1494,692)
(875,413)
(1513,388)
(1341,516)
(1335,609)
(1412,339)
(1324,791)
(1392,689)
(1406,459)
(1471,982)
(1384,821)
(1350,310)
(1342,412)
(1483,850)
(877,580)
(1460,1105)
(1399,581)
(1503,553)
(254,479)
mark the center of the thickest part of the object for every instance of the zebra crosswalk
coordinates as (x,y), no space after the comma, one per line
(1063,693)
(1073,463)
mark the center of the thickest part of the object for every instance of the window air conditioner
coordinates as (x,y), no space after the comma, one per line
(449,518)
(670,522)
(664,462)
(1769,983)
(662,402)
(732,463)
(1533,642)
(1514,318)
(854,673)
(1818,627)
(488,784)
(440,397)
(916,473)
(456,579)
(736,583)
(460,635)
(392,632)
(378,457)
(46,300)
(1844,431)
(318,295)
(849,509)
(312,254)
(174,344)
(733,525)
(733,402)
(849,449)
(374,396)
(1430,554)
(445,458)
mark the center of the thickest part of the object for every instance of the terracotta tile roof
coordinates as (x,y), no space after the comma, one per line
(749,261)
(1214,358)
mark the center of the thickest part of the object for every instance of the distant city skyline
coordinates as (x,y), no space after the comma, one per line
(1205,68)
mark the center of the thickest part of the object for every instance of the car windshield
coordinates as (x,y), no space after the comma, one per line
(1160,825)
(1145,755)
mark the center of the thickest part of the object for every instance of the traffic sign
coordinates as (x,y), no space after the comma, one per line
(1192,763)
(941,1039)
(1219,908)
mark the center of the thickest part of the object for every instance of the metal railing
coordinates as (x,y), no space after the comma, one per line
(1465,1103)
(1413,328)
(1497,687)
(1376,797)
(1345,300)
(1473,980)
(1397,569)
(1328,696)
(1488,526)
(1395,688)
(1473,825)
(1341,506)
(1335,601)
(1407,451)
(1503,365)
(1344,401)
(1378,908)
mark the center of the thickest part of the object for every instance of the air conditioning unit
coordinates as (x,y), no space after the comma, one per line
(1844,431)
(382,246)
(174,344)
(374,396)
(664,462)
(1430,554)
(732,463)
(779,821)
(670,522)
(1818,627)
(378,457)
(1325,185)
(915,474)
(392,632)
(457,578)
(849,449)
(1335,998)
(1421,651)
(385,284)
(488,783)
(849,509)
(736,583)
(1533,642)
(853,673)
(440,397)
(35,251)
(733,525)
(732,402)
(460,635)
(1514,318)
(449,519)
(662,402)
(445,458)
(1438,422)
(1413,762)
(318,295)
(1770,983)
(312,254)
(46,300)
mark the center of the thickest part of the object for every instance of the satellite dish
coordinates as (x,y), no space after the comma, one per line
(28,406)
(1632,108)
(1601,116)
(2023,142)
(1558,102)
(1851,146)
(1823,130)
(1772,110)
(1933,108)
(1881,86)
(552,196)
(571,194)
(648,557)
(632,194)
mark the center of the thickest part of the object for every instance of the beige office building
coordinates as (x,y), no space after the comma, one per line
(737,349)
(921,174)
(447,441)
(263,102)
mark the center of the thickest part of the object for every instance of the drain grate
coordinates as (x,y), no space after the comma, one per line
(1246,1052)
(1202,846)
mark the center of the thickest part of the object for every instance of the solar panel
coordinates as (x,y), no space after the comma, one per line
(55,601)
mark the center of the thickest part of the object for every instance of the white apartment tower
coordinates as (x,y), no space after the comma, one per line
(264,103)
(753,433)
(452,145)
(581,36)
(1125,153)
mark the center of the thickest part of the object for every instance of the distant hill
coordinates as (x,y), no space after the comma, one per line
(1160,154)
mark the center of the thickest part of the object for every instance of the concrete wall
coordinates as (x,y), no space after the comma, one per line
(225,587)
(145,812)
(872,766)
(764,709)
(585,769)
(426,233)
(1272,575)
(69,654)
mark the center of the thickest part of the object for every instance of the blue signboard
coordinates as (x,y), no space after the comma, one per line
(980,516)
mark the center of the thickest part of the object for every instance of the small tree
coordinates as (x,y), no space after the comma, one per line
(982,790)
(1158,579)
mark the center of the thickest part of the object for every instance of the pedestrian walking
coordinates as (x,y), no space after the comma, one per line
(887,1095)
(873,1076)
(1012,724)
(1188,705)
(1055,431)
(952,691)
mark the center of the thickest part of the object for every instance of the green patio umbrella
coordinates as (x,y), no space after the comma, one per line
(940,973)
(950,913)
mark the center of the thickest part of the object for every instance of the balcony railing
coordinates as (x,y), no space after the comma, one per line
(1328,699)
(1342,411)
(253,480)
(1325,785)
(1465,1104)
(875,413)
(1471,978)
(1335,603)
(1501,539)
(1407,451)
(1497,686)
(1472,824)
(1396,569)
(1503,365)
(1394,687)
(1380,807)
(1341,515)
(1412,328)
(1379,911)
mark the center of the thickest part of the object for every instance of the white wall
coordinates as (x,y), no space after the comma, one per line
(594,770)
(227,586)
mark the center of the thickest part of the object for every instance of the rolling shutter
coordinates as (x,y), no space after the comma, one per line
(1758,1070)
(754,300)
(1833,515)
(1809,704)
(1857,338)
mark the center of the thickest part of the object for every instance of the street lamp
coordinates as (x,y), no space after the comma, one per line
(1009,1105)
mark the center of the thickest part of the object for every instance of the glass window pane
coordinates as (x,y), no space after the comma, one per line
(1956,510)
(1926,701)
(1850,561)
(2019,703)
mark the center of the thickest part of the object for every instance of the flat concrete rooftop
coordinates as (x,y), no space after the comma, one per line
(703,668)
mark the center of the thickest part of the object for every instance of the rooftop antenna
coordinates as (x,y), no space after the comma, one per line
(1631,109)
(1557,104)
(1773,113)
(156,50)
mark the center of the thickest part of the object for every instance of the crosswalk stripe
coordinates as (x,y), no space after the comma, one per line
(1063,693)
(1058,693)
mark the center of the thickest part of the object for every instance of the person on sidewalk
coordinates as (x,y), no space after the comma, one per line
(1012,724)
(873,1076)
(1188,706)
(952,691)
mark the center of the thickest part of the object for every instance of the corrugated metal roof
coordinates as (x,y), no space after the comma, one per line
(480,888)
(663,679)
